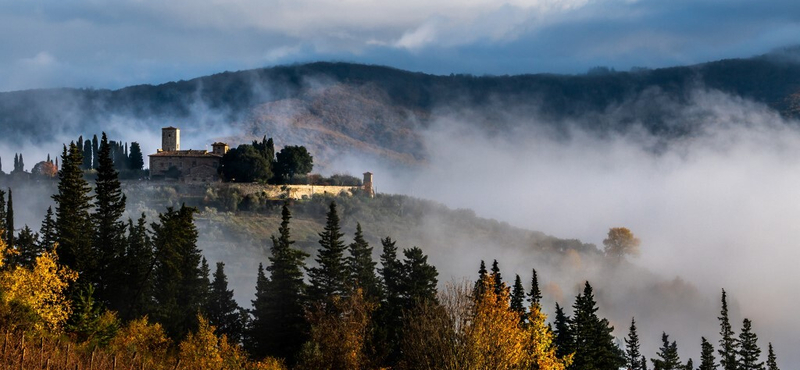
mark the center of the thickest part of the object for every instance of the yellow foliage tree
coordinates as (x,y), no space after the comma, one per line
(204,350)
(40,288)
(495,338)
(621,241)
(540,349)
(144,340)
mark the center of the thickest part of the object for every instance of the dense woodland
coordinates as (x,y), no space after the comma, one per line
(92,290)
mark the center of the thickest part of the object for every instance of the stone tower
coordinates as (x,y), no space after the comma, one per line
(219,148)
(368,184)
(170,139)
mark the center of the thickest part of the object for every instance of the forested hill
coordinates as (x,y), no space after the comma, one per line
(380,111)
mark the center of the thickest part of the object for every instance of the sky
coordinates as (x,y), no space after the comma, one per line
(117,43)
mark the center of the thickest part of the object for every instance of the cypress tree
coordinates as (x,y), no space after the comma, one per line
(181,289)
(279,326)
(562,334)
(748,352)
(330,277)
(479,285)
(135,158)
(667,355)
(139,260)
(594,343)
(48,231)
(518,297)
(535,295)
(772,362)
(707,359)
(361,267)
(689,365)
(728,346)
(87,155)
(73,222)
(221,310)
(95,151)
(10,221)
(3,217)
(16,163)
(109,230)
(632,348)
(258,328)
(419,278)
(498,278)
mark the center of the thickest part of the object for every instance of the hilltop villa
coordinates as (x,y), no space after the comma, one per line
(187,165)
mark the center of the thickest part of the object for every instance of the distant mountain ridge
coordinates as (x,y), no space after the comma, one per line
(378,112)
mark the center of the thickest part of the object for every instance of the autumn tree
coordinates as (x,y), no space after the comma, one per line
(621,242)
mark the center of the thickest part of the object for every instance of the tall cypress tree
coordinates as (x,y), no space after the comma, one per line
(562,334)
(48,230)
(279,327)
(221,309)
(330,277)
(707,359)
(87,155)
(10,221)
(361,267)
(632,348)
(594,343)
(518,297)
(135,158)
(772,362)
(3,225)
(728,346)
(535,295)
(95,152)
(181,289)
(748,352)
(109,230)
(667,355)
(73,222)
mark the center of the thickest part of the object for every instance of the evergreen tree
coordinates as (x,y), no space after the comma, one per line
(221,310)
(689,365)
(419,278)
(535,295)
(135,158)
(87,155)
(772,362)
(95,152)
(139,260)
(28,248)
(518,297)
(109,230)
(498,278)
(667,355)
(3,217)
(279,326)
(632,351)
(594,343)
(10,243)
(1,165)
(361,267)
(389,316)
(562,334)
(16,163)
(48,231)
(181,288)
(205,281)
(728,346)
(330,277)
(707,359)
(73,222)
(479,284)
(748,352)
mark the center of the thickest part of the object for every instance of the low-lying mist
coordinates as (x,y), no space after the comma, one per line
(715,209)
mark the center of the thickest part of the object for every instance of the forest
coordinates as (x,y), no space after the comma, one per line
(92,290)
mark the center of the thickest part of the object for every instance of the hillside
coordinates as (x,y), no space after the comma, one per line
(380,113)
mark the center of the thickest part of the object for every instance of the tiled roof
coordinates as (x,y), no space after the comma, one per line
(185,153)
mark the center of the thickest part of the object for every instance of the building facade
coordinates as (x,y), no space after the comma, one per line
(190,165)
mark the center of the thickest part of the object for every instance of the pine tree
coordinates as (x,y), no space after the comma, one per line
(632,348)
(689,365)
(482,274)
(535,295)
(707,359)
(594,343)
(27,247)
(389,316)
(419,278)
(728,346)
(518,297)
(10,243)
(667,355)
(48,231)
(279,326)
(73,222)
(748,352)
(330,277)
(361,267)
(181,288)
(135,158)
(772,362)
(563,339)
(109,230)
(221,310)
(499,285)
(139,260)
